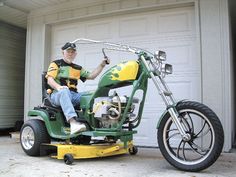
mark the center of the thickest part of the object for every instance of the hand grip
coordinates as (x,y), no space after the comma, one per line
(105,57)
(106,60)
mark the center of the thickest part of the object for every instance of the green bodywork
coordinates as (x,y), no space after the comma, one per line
(59,129)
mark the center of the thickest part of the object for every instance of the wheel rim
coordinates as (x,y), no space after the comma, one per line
(202,141)
(27,138)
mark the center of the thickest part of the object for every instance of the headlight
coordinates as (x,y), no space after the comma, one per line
(160,55)
(166,68)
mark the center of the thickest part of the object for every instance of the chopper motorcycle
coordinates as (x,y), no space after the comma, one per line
(190,135)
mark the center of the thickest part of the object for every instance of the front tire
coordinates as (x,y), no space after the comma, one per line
(205,144)
(33,134)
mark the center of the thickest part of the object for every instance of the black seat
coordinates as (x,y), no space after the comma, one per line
(45,96)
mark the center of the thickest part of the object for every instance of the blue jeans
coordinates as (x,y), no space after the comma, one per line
(67,100)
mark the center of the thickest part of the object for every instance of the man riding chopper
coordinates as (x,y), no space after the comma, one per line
(190,135)
(63,76)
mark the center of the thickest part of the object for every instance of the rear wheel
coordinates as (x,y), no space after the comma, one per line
(205,132)
(33,134)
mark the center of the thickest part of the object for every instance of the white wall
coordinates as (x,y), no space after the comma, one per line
(211,18)
(216,62)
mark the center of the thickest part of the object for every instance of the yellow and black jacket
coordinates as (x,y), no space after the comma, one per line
(67,74)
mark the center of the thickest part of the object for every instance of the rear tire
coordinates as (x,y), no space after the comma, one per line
(33,134)
(207,137)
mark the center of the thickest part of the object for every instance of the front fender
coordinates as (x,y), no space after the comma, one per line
(44,115)
(40,113)
(166,112)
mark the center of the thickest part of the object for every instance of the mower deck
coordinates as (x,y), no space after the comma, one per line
(69,152)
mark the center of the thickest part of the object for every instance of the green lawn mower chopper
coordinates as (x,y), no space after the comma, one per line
(190,135)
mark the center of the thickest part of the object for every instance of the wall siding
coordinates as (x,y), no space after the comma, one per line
(12,71)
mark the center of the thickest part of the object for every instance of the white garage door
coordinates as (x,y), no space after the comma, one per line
(171,30)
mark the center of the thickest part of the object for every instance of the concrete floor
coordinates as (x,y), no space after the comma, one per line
(147,163)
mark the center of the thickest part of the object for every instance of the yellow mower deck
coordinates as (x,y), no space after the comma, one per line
(68,152)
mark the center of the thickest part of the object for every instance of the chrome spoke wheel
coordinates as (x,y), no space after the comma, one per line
(205,142)
(198,147)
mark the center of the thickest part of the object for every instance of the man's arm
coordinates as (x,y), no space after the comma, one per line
(54,84)
(98,70)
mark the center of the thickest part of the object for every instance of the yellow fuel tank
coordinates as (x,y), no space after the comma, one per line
(125,71)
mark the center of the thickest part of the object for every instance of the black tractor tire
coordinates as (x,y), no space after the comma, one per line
(133,150)
(33,133)
(68,159)
(216,136)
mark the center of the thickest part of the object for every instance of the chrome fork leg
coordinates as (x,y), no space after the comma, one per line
(173,112)
(174,115)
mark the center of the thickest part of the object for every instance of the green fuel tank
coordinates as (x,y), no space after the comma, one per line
(125,71)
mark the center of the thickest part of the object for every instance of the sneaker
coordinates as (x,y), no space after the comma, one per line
(76,127)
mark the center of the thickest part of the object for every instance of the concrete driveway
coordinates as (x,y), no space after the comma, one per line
(147,163)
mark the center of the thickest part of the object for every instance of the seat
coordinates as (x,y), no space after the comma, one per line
(46,100)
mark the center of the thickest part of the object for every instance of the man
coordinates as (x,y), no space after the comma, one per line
(63,76)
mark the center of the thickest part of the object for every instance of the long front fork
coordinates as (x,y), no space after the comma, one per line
(169,100)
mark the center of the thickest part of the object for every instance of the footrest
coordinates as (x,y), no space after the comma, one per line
(108,133)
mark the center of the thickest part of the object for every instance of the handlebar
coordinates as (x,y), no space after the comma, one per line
(148,56)
(114,46)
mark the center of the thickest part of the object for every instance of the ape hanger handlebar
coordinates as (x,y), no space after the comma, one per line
(112,46)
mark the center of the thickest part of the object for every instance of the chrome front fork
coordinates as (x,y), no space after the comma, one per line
(174,115)
(169,100)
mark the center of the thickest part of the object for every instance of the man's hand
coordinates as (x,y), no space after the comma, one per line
(61,87)
(106,61)
(54,84)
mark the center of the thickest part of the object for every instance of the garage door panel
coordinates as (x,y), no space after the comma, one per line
(181,54)
(68,31)
(91,60)
(178,54)
(184,89)
(132,27)
(101,30)
(147,132)
(174,22)
(180,22)
(127,56)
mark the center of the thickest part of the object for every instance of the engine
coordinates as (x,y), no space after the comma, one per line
(108,110)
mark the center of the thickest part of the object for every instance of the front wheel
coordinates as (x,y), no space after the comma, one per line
(206,140)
